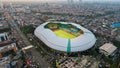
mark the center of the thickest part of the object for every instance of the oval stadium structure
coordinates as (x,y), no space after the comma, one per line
(65,36)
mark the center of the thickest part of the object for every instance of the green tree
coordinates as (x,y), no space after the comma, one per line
(28,29)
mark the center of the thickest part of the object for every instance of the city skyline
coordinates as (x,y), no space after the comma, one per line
(59,34)
(58,0)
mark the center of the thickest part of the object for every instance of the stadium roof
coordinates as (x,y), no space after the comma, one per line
(68,37)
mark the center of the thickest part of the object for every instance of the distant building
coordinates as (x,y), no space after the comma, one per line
(27,9)
(4,27)
(80,1)
(6,46)
(20,9)
(2,6)
(116,25)
(4,30)
(116,33)
(118,37)
(70,1)
(4,62)
(3,37)
(108,49)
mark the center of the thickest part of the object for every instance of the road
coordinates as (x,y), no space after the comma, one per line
(37,57)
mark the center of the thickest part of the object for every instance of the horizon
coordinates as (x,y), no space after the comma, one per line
(58,0)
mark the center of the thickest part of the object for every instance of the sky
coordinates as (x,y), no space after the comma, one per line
(59,0)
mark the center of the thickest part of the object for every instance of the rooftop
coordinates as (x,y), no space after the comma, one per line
(116,24)
(108,47)
(4,27)
(5,43)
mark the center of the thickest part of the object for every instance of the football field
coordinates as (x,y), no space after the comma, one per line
(64,34)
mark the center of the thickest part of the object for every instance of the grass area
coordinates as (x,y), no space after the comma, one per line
(64,34)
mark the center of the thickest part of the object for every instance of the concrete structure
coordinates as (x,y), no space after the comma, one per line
(6,45)
(2,6)
(70,1)
(116,25)
(65,36)
(3,37)
(108,49)
(5,62)
(3,25)
(77,62)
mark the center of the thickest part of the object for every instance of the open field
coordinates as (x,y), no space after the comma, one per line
(64,34)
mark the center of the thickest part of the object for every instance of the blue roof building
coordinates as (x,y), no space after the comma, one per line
(115,25)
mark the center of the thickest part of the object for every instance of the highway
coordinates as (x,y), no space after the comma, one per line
(20,36)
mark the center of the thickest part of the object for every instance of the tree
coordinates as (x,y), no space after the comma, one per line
(28,29)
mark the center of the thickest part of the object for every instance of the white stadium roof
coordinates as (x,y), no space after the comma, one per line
(80,43)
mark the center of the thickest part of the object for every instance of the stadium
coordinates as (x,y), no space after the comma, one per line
(65,36)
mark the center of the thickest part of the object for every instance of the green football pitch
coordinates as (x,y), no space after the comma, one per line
(64,34)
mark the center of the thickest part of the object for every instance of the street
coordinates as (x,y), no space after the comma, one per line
(19,35)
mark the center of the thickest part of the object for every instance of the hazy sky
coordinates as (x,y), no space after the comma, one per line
(58,0)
